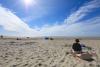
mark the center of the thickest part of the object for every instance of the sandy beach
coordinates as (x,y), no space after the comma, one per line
(45,53)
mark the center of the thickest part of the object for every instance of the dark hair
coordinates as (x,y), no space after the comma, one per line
(77,40)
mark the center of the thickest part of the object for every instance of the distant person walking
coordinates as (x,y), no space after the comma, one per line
(77,48)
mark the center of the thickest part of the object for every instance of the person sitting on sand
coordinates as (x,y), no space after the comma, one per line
(77,48)
(79,54)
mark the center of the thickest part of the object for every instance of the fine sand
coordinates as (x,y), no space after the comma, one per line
(46,53)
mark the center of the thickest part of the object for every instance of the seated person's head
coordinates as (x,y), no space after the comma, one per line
(77,40)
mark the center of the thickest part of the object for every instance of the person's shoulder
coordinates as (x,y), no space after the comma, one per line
(74,43)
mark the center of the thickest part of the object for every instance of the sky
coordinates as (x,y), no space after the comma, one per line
(50,18)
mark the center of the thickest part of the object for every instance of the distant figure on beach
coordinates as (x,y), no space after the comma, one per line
(1,36)
(77,48)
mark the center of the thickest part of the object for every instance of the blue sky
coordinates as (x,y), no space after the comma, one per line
(50,17)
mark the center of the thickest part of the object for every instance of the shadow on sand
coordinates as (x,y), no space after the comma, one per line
(87,57)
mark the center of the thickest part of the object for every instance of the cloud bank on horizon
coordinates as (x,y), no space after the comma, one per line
(72,25)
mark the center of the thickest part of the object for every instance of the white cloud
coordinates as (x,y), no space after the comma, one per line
(89,28)
(10,22)
(73,27)
(82,11)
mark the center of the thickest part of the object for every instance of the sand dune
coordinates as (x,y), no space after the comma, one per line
(44,53)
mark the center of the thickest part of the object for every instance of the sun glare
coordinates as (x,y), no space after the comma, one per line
(29,2)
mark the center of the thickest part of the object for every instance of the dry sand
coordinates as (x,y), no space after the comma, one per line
(45,53)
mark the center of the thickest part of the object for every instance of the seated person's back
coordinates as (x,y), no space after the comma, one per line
(76,46)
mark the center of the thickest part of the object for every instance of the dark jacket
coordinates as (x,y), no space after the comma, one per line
(77,47)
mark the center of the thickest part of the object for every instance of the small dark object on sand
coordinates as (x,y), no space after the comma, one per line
(18,39)
(1,36)
(27,37)
(14,66)
(39,64)
(67,53)
(51,39)
(46,38)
